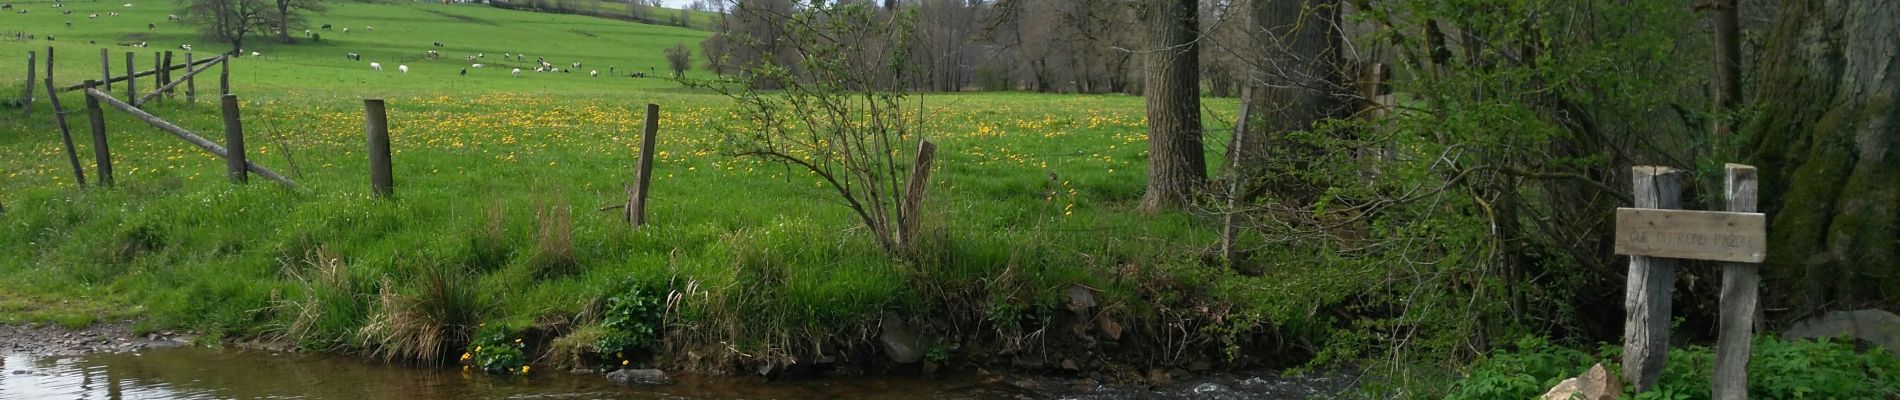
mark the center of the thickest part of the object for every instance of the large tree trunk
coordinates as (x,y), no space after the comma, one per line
(1827,141)
(1177,165)
(1298,71)
(283,21)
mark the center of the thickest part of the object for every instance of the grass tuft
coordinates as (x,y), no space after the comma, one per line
(428,320)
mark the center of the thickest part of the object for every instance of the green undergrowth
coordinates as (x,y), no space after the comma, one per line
(1778,369)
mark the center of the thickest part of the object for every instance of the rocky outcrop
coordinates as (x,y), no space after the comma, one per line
(1878,327)
(1595,384)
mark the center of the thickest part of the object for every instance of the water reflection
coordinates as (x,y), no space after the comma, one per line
(224,374)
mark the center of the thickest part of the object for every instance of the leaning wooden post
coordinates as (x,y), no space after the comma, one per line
(191,82)
(381,181)
(1646,329)
(1230,226)
(105,68)
(59,118)
(101,153)
(911,215)
(234,141)
(131,78)
(637,195)
(1740,290)
(26,99)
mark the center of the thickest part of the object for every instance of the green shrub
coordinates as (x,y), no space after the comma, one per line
(1778,369)
(496,350)
(631,319)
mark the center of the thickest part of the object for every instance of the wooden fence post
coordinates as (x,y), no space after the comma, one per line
(27,98)
(59,118)
(234,141)
(191,82)
(637,195)
(1646,302)
(376,120)
(158,71)
(166,74)
(102,154)
(910,216)
(105,68)
(131,78)
(1740,289)
(224,76)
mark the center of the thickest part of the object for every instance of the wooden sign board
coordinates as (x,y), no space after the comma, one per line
(1700,235)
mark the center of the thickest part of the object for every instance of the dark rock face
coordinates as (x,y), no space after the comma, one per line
(639,377)
(901,343)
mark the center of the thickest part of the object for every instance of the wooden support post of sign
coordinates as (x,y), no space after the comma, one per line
(191,81)
(105,68)
(26,99)
(234,142)
(1740,289)
(131,77)
(101,153)
(911,215)
(637,195)
(1646,303)
(65,130)
(1230,224)
(376,122)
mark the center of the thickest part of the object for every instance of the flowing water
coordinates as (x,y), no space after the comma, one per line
(195,373)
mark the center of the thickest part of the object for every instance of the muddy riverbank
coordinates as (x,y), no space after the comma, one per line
(109,361)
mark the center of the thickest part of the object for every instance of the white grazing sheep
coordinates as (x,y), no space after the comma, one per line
(403,68)
(92,16)
(172,17)
(346,31)
(376,66)
(594,73)
(369,28)
(255,54)
(577,65)
(517,72)
(476,66)
(128,5)
(187,47)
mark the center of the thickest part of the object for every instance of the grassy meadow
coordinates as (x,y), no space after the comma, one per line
(498,180)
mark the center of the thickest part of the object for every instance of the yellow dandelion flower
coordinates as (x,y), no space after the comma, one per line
(524,369)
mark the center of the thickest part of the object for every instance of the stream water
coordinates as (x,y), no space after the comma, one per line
(196,373)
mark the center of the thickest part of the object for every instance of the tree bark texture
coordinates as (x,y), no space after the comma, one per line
(1299,76)
(1826,138)
(1177,164)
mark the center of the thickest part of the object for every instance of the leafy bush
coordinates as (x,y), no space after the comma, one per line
(632,319)
(1779,369)
(495,350)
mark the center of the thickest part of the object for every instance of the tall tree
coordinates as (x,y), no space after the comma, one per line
(289,16)
(1297,65)
(1827,141)
(228,21)
(679,58)
(1177,166)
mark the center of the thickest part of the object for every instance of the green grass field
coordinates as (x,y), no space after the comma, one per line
(1033,193)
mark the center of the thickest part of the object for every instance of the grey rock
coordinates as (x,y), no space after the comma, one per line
(902,344)
(1081,299)
(639,377)
(1875,326)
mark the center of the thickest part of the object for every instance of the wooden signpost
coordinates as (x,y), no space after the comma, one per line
(1653,234)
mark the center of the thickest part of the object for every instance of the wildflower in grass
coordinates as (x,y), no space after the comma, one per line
(524,369)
